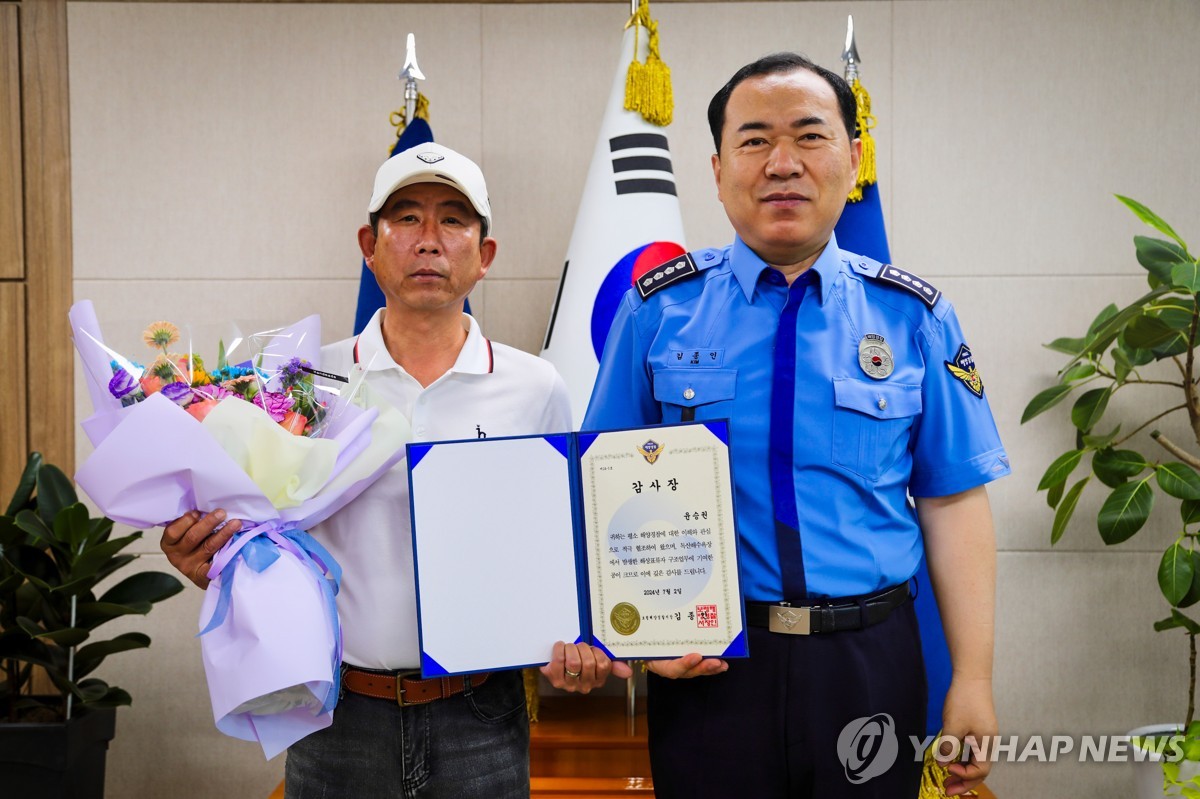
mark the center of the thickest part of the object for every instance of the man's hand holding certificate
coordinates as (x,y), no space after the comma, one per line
(622,539)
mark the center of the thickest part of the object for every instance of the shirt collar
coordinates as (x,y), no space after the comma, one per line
(475,357)
(748,267)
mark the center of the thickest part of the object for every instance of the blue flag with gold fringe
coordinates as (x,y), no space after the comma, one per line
(861,230)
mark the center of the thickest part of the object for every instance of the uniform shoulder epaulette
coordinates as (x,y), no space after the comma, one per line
(927,293)
(667,274)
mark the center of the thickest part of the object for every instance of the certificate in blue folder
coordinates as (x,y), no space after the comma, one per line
(625,539)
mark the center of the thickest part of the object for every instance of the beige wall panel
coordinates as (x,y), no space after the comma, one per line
(12,263)
(249,149)
(1077,654)
(12,388)
(167,739)
(1018,121)
(522,310)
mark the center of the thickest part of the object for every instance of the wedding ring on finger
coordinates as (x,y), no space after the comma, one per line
(570,673)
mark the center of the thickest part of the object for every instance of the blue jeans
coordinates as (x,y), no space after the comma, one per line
(472,745)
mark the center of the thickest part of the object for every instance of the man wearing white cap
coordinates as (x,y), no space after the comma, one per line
(394,734)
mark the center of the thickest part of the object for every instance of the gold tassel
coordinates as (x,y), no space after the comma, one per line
(532,699)
(933,773)
(864,122)
(398,118)
(648,86)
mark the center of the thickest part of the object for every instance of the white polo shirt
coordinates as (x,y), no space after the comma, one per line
(491,390)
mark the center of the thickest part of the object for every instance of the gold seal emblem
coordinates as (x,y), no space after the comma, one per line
(650,451)
(625,618)
(875,356)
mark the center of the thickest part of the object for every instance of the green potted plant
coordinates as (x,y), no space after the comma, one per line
(53,554)
(1149,342)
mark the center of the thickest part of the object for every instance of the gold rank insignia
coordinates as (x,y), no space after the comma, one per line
(650,451)
(963,368)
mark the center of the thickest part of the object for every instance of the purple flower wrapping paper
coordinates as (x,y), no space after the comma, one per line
(154,462)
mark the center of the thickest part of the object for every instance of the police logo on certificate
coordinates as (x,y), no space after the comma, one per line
(963,368)
(875,356)
(650,451)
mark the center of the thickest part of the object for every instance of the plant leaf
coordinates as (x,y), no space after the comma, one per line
(25,485)
(33,524)
(71,526)
(1175,573)
(90,656)
(1158,256)
(1061,469)
(1106,313)
(68,636)
(1065,510)
(1150,218)
(1090,407)
(1109,331)
(143,587)
(1069,346)
(1193,593)
(1186,276)
(1054,494)
(1078,372)
(1189,510)
(93,560)
(1151,333)
(93,614)
(113,697)
(1185,622)
(54,492)
(1125,511)
(1179,480)
(1101,441)
(1169,623)
(1115,467)
(1044,401)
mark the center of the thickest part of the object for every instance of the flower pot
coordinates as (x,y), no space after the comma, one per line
(1147,771)
(63,760)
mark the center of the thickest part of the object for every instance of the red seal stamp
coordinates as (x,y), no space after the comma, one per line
(706,615)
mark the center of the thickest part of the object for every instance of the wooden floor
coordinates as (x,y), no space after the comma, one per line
(586,748)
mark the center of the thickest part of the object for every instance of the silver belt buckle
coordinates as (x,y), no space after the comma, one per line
(789,620)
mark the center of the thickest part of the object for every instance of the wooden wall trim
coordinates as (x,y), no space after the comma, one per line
(13,404)
(12,259)
(49,280)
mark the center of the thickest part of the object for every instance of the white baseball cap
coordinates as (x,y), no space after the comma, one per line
(432,163)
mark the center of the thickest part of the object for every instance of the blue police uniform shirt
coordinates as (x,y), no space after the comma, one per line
(736,342)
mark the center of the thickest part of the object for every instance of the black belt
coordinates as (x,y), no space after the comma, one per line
(809,617)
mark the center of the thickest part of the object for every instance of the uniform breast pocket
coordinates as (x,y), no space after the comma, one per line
(687,394)
(871,424)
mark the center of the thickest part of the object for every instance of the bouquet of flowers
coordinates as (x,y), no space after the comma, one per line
(278,444)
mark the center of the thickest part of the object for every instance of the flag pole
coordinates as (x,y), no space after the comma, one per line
(850,52)
(410,74)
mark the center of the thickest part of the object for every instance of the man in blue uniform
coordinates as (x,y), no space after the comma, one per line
(850,388)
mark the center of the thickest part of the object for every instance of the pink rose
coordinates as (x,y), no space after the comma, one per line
(294,423)
(201,408)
